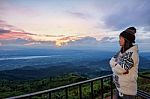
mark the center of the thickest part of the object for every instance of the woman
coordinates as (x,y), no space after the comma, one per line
(125,65)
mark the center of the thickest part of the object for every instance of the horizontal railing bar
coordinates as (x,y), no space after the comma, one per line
(144,76)
(66,86)
(59,88)
(143,94)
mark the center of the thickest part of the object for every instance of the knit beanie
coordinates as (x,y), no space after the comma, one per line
(129,34)
(131,30)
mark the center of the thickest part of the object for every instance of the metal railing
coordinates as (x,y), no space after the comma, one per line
(66,87)
(49,92)
(142,93)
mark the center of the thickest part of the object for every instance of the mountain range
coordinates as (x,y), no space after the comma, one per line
(86,63)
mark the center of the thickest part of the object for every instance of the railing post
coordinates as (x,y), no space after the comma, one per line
(102,89)
(80,91)
(40,95)
(92,90)
(111,81)
(66,91)
(29,97)
(49,96)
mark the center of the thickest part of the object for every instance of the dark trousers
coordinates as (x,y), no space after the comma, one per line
(124,96)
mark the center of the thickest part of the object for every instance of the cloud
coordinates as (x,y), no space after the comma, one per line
(5,26)
(143,37)
(84,41)
(10,32)
(78,14)
(2,21)
(16,41)
(146,40)
(15,35)
(32,43)
(12,36)
(108,39)
(12,8)
(118,15)
(35,39)
(4,31)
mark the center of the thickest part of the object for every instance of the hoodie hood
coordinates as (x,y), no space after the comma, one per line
(134,48)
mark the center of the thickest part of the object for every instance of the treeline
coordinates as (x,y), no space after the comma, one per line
(143,83)
(9,88)
(18,87)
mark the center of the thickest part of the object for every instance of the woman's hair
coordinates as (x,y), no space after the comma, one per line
(129,37)
(127,45)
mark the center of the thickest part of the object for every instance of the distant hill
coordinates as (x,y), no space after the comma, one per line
(43,58)
(30,73)
(86,68)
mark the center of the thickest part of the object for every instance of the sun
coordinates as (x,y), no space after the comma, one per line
(60,43)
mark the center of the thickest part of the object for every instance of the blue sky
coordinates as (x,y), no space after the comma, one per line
(76,18)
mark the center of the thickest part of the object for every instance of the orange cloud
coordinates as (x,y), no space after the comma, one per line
(66,40)
(39,39)
(15,35)
(10,32)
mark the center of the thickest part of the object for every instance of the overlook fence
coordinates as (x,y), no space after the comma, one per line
(47,94)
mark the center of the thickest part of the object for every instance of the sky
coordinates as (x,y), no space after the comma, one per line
(63,21)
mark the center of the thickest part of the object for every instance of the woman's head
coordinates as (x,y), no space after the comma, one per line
(127,38)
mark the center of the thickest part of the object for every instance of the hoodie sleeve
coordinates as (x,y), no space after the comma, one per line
(124,64)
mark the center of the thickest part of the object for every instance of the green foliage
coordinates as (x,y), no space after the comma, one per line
(10,88)
(143,83)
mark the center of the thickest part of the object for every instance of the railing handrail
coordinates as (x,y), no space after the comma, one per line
(59,88)
(67,86)
(147,77)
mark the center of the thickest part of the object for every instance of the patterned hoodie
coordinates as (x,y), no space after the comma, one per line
(125,70)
